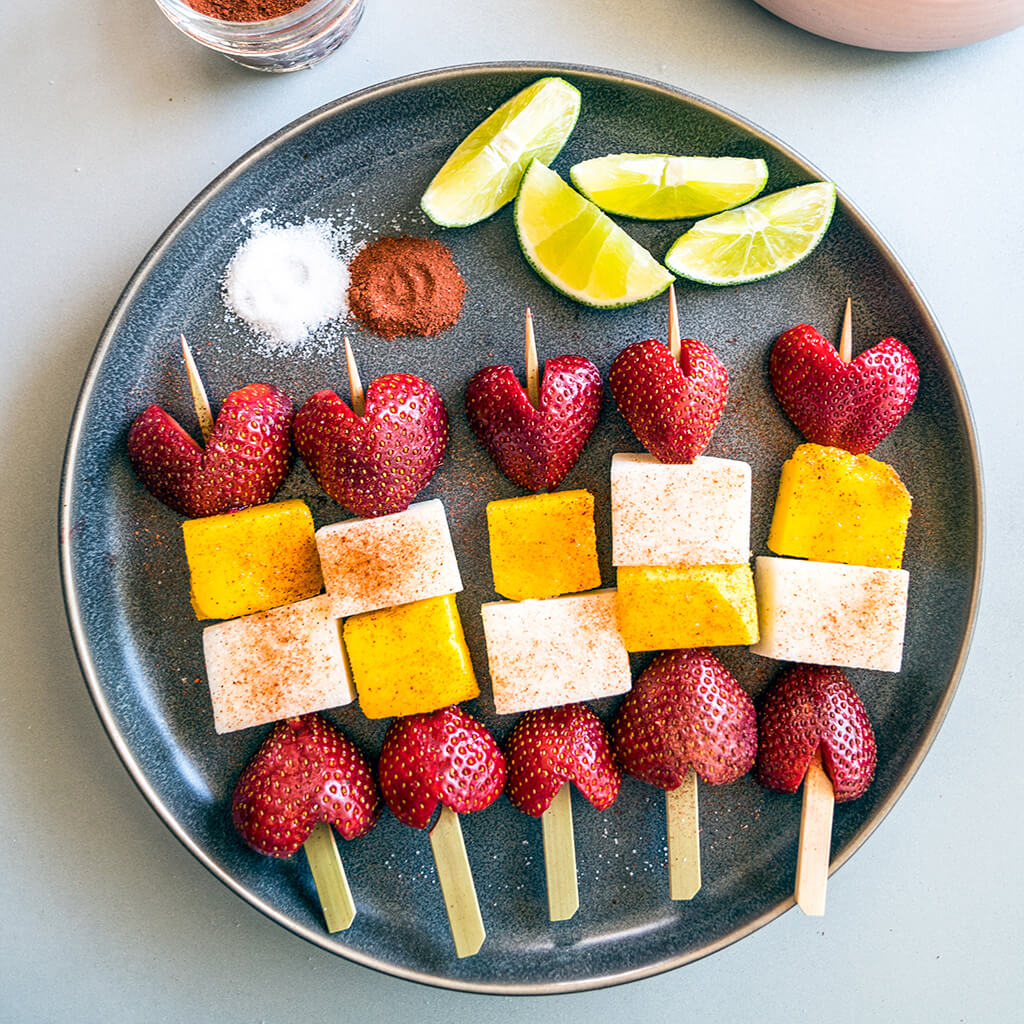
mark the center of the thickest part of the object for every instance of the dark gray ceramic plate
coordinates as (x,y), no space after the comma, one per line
(368,158)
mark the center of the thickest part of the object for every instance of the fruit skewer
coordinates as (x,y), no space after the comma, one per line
(680,544)
(682,806)
(818,801)
(559,840)
(833,400)
(320,848)
(558,837)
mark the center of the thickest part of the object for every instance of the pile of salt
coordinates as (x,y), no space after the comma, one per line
(286,282)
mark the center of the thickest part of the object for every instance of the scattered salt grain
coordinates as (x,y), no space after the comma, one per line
(287,281)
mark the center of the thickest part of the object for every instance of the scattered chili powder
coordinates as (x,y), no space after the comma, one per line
(405,285)
(245,10)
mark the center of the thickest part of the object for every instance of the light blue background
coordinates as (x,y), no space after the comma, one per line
(111,122)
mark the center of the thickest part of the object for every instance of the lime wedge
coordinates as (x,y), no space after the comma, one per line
(484,171)
(653,186)
(762,238)
(580,250)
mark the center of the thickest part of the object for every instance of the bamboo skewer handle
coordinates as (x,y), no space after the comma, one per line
(457,886)
(560,857)
(202,404)
(682,820)
(329,877)
(815,840)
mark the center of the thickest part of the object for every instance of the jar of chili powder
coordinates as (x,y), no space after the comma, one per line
(267,35)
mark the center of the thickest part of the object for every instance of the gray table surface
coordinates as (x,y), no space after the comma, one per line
(111,122)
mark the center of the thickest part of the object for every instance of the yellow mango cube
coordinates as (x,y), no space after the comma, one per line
(410,659)
(836,507)
(664,607)
(543,545)
(252,560)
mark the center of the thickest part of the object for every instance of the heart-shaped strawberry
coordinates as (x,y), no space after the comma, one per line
(444,757)
(673,408)
(244,462)
(843,405)
(686,710)
(535,447)
(376,463)
(808,708)
(305,771)
(551,746)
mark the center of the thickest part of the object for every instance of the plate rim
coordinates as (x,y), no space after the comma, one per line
(66,513)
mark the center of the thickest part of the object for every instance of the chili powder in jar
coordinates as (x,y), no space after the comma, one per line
(403,286)
(245,10)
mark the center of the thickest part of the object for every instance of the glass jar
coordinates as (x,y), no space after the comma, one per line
(296,40)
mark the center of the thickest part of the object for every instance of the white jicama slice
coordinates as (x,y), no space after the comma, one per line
(826,613)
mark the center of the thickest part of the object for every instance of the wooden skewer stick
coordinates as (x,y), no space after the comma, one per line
(457,886)
(354,383)
(560,856)
(199,399)
(846,335)
(674,345)
(532,367)
(815,840)
(682,820)
(329,877)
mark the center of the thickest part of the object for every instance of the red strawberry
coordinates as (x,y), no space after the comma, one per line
(673,408)
(844,405)
(807,708)
(445,756)
(305,771)
(686,710)
(378,462)
(244,461)
(535,448)
(552,746)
